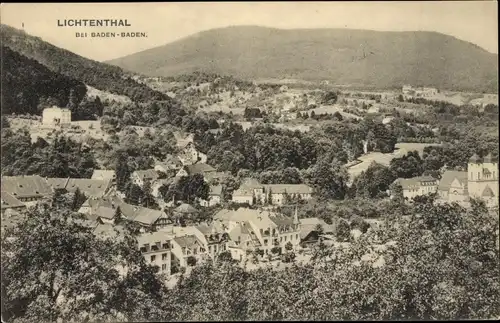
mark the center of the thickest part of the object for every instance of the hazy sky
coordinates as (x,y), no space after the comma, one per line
(474,21)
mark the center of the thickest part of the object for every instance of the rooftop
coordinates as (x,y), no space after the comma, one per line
(449,176)
(9,201)
(289,188)
(199,169)
(26,186)
(149,174)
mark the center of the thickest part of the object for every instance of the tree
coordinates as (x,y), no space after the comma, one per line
(288,246)
(78,199)
(54,269)
(122,172)
(329,179)
(343,230)
(319,229)
(410,165)
(118,218)
(330,97)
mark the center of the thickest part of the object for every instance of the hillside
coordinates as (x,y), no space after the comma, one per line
(345,57)
(26,83)
(102,76)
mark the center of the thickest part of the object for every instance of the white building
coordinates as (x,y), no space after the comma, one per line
(56,116)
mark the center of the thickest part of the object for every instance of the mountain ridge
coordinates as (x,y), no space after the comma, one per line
(344,56)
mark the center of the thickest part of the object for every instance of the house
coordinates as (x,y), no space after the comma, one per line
(139,177)
(105,210)
(189,154)
(27,189)
(250,191)
(214,196)
(10,204)
(200,168)
(104,174)
(184,213)
(216,177)
(309,233)
(56,116)
(257,229)
(170,166)
(277,194)
(90,187)
(184,247)
(453,186)
(417,186)
(156,250)
(215,238)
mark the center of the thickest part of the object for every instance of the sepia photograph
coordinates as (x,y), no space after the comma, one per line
(249,161)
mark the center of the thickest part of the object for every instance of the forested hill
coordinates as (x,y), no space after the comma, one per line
(27,83)
(344,57)
(99,75)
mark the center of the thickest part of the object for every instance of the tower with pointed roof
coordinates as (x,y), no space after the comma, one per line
(483,178)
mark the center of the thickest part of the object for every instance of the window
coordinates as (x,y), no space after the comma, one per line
(297,236)
(281,239)
(265,241)
(285,238)
(210,249)
(153,258)
(164,267)
(195,251)
(164,256)
(165,245)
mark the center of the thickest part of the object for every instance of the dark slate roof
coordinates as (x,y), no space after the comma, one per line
(26,186)
(488,192)
(199,169)
(216,190)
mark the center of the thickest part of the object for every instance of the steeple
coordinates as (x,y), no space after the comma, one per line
(474,159)
(488,158)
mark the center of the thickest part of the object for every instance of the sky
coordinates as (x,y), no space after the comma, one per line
(473,21)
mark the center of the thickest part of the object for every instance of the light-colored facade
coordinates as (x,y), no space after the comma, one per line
(156,249)
(276,194)
(479,181)
(56,116)
(417,186)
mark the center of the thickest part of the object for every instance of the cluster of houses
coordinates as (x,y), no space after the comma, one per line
(252,192)
(164,243)
(479,181)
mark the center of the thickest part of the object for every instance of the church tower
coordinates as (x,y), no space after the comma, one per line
(483,178)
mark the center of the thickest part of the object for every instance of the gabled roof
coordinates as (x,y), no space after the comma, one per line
(259,218)
(91,187)
(281,220)
(147,216)
(199,169)
(216,175)
(109,231)
(448,177)
(212,228)
(147,174)
(103,174)
(307,225)
(10,202)
(188,241)
(185,208)
(26,186)
(288,188)
(487,192)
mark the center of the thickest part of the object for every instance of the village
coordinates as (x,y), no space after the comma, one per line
(246,226)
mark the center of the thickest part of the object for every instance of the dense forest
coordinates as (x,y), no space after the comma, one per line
(99,75)
(28,86)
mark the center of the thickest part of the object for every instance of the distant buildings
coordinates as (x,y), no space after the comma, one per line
(56,116)
(479,181)
(417,186)
(252,192)
(419,91)
(27,189)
